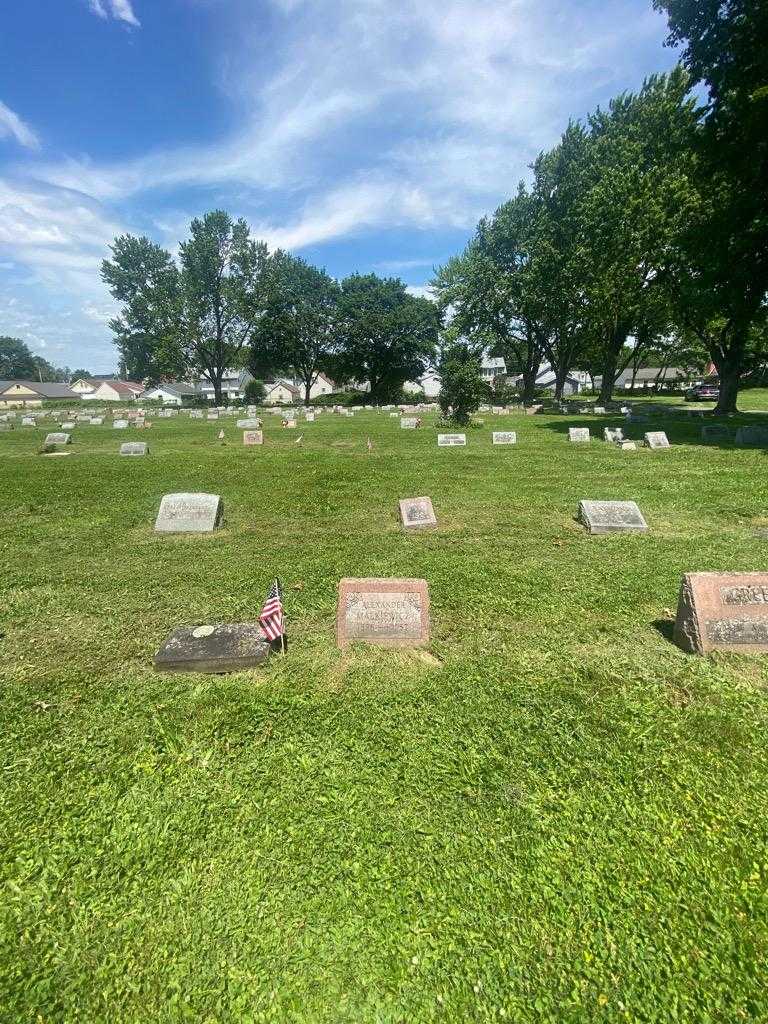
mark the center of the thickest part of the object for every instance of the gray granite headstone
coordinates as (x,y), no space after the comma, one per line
(120,424)
(752,437)
(504,437)
(599,410)
(58,438)
(28,421)
(189,513)
(578,435)
(451,440)
(96,421)
(69,425)
(226,647)
(409,422)
(612,516)
(251,423)
(656,439)
(134,448)
(715,432)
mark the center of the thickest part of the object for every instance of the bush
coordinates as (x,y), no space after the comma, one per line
(462,390)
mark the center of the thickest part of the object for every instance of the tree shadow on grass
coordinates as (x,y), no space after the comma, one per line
(666,628)
(682,427)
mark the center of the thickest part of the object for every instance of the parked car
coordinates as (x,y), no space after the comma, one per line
(707,392)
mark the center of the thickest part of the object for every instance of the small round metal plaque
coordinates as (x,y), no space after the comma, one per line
(202,631)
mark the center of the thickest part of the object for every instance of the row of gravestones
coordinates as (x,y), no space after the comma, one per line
(716,611)
(615,435)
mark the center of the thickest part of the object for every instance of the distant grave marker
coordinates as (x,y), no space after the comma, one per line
(189,513)
(96,421)
(134,448)
(504,437)
(251,423)
(656,439)
(409,422)
(599,410)
(69,425)
(388,612)
(613,434)
(578,435)
(725,611)
(715,432)
(628,446)
(417,512)
(120,424)
(309,417)
(752,437)
(251,437)
(451,440)
(612,517)
(58,438)
(28,421)
(227,647)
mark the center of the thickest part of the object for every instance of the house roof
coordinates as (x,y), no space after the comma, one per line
(123,387)
(651,373)
(176,388)
(45,390)
(281,382)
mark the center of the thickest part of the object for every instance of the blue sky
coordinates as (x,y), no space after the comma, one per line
(361,134)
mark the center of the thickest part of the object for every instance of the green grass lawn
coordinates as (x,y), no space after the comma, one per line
(551,815)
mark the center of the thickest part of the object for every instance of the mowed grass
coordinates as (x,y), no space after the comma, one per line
(553,814)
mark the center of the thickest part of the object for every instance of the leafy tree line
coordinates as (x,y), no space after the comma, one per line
(18,362)
(644,233)
(227,302)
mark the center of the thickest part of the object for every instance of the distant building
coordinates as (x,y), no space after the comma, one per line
(233,385)
(281,392)
(174,393)
(114,390)
(651,377)
(32,392)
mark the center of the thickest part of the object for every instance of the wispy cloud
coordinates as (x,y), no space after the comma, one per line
(12,126)
(121,10)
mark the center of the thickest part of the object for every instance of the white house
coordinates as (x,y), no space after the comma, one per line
(322,386)
(233,385)
(650,377)
(32,392)
(114,391)
(281,392)
(575,381)
(170,394)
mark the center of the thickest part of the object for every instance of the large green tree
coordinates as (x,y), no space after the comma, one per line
(16,360)
(385,335)
(195,317)
(718,271)
(297,331)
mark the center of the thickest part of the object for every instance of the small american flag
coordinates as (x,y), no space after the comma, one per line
(271,618)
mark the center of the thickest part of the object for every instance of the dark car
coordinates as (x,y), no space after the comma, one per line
(707,392)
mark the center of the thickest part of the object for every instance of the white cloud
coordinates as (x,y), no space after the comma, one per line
(12,126)
(121,10)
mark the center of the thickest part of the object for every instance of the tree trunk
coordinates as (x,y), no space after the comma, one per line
(529,385)
(560,376)
(218,394)
(307,389)
(609,375)
(728,360)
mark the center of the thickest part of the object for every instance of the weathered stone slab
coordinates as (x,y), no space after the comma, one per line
(388,612)
(196,414)
(134,448)
(409,422)
(417,512)
(227,647)
(28,421)
(725,611)
(599,410)
(120,424)
(251,437)
(613,434)
(504,437)
(69,425)
(656,439)
(578,435)
(189,513)
(531,410)
(628,446)
(752,437)
(309,417)
(715,432)
(451,440)
(289,424)
(612,517)
(212,416)
(58,438)
(251,423)
(97,421)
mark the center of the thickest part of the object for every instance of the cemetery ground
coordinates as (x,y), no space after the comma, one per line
(550,814)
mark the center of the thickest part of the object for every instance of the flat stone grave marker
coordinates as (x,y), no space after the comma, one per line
(387,612)
(252,423)
(195,414)
(613,434)
(28,421)
(119,424)
(58,438)
(628,446)
(715,432)
(599,410)
(531,410)
(189,513)
(724,611)
(212,416)
(96,421)
(578,435)
(134,448)
(612,517)
(251,437)
(417,512)
(69,425)
(289,424)
(309,417)
(226,647)
(752,437)
(409,422)
(504,437)
(451,440)
(656,439)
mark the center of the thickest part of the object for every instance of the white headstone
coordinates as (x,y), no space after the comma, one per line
(578,435)
(58,438)
(134,448)
(451,440)
(408,422)
(656,439)
(189,513)
(120,424)
(504,437)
